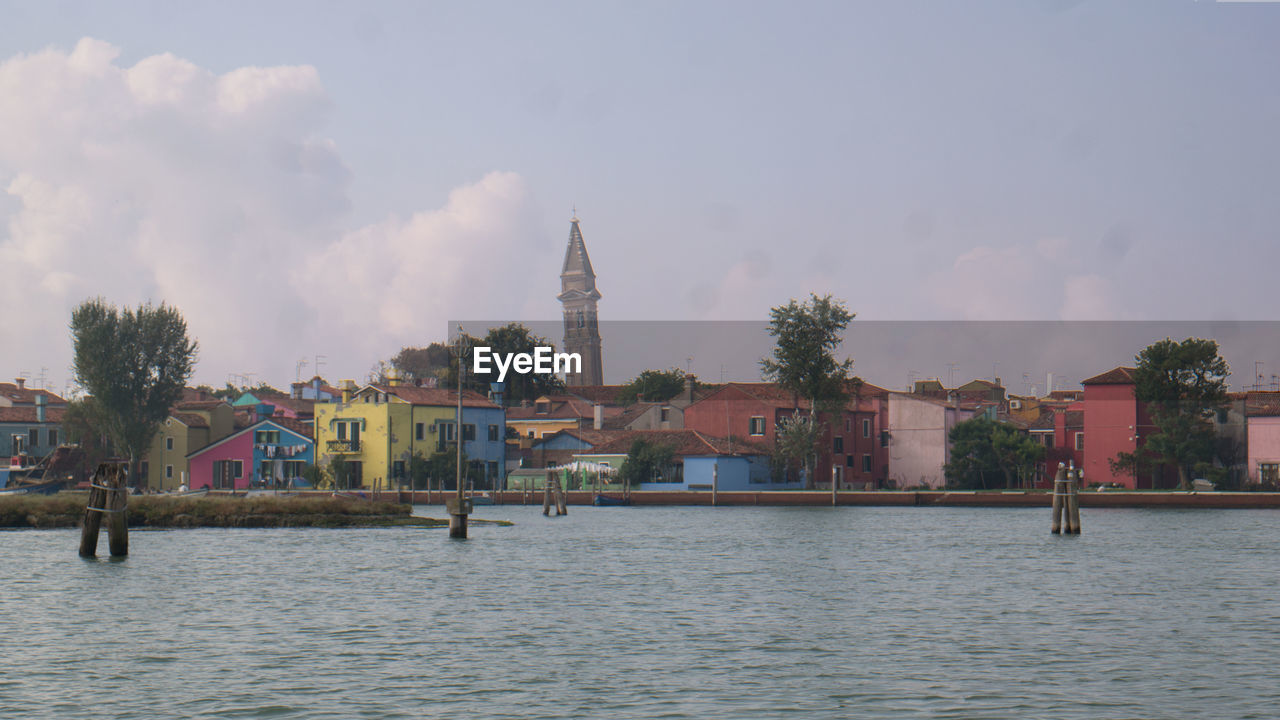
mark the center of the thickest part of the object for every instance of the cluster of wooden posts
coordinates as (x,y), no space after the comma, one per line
(553,493)
(109,496)
(1066,501)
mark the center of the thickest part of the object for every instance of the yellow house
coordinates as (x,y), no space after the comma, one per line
(189,427)
(378,428)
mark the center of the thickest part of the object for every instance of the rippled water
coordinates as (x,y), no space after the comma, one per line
(657,613)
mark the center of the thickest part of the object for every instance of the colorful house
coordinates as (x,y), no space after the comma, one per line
(190,426)
(550,414)
(698,461)
(378,428)
(854,447)
(268,453)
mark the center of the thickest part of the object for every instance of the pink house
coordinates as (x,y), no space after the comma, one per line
(1263,413)
(268,453)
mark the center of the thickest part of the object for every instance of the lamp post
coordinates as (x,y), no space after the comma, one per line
(458,506)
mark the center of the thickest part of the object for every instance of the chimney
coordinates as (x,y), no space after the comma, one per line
(393,377)
(295,391)
(40,401)
(598,412)
(315,385)
(689,382)
(21,383)
(348,386)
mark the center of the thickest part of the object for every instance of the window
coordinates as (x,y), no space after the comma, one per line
(33,439)
(1222,417)
(491,469)
(866,463)
(53,437)
(494,434)
(293,468)
(237,469)
(1079,441)
(756,426)
(419,431)
(664,414)
(468,432)
(530,433)
(866,427)
(848,460)
(848,425)
(449,435)
(168,472)
(837,444)
(342,431)
(1268,472)
(263,437)
(542,408)
(884,438)
(168,443)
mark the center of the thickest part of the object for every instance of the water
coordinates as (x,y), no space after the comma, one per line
(657,613)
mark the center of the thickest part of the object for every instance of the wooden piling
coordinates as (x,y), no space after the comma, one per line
(117,518)
(546,493)
(715,482)
(1059,493)
(1073,501)
(92,525)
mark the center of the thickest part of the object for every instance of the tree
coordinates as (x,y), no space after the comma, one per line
(1183,384)
(653,386)
(421,363)
(797,441)
(83,424)
(646,461)
(804,359)
(512,338)
(134,363)
(985,452)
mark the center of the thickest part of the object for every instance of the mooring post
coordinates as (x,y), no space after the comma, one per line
(715,483)
(117,518)
(92,524)
(1073,501)
(835,486)
(562,502)
(546,493)
(1059,493)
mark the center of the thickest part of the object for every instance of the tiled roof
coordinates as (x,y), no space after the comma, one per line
(603,394)
(27,414)
(1117,376)
(682,442)
(774,394)
(191,420)
(1045,421)
(199,404)
(1262,405)
(27,396)
(562,407)
(588,436)
(435,397)
(306,430)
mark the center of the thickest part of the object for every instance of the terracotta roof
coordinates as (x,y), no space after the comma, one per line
(602,394)
(27,414)
(306,430)
(301,407)
(199,404)
(191,420)
(562,407)
(630,413)
(682,442)
(1047,420)
(1066,395)
(590,437)
(1262,404)
(27,396)
(1117,376)
(1075,419)
(435,397)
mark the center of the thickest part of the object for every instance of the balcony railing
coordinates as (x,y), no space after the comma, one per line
(343,446)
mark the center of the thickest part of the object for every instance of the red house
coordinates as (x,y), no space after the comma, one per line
(1115,422)
(854,454)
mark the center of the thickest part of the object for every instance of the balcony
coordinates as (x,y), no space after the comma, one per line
(343,446)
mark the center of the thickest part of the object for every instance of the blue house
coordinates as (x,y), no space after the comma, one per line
(698,461)
(30,433)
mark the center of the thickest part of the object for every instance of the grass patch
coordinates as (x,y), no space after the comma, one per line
(65,510)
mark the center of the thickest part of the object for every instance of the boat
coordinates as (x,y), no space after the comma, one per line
(481,499)
(602,500)
(22,477)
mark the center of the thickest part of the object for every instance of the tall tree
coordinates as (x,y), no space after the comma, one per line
(1183,384)
(420,363)
(512,338)
(985,453)
(647,461)
(804,362)
(134,363)
(653,386)
(797,442)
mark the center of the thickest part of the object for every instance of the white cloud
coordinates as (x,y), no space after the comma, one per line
(220,195)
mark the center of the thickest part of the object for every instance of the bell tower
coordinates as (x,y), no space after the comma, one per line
(578,296)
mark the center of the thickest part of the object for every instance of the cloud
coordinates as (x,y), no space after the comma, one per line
(220,194)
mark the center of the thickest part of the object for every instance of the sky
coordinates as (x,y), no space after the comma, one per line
(330,182)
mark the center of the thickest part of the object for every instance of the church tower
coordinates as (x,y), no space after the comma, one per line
(578,296)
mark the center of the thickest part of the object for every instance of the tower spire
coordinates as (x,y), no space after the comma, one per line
(578,297)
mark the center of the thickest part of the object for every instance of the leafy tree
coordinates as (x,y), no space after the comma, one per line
(1183,384)
(336,473)
(420,363)
(646,461)
(84,425)
(985,452)
(442,469)
(797,441)
(510,338)
(315,475)
(653,386)
(804,359)
(134,363)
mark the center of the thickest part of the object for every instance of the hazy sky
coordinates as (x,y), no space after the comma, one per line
(307,179)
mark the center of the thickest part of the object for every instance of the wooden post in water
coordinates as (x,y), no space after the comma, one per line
(835,486)
(562,504)
(92,525)
(546,493)
(1059,495)
(1073,501)
(117,518)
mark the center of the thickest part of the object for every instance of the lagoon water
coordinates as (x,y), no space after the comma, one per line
(657,613)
